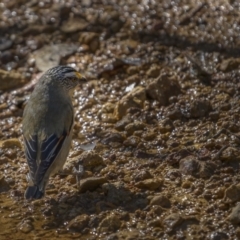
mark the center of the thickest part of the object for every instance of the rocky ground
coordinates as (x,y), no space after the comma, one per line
(158,119)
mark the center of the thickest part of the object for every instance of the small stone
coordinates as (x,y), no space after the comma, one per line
(91,183)
(131,141)
(79,223)
(154,71)
(74,25)
(10,143)
(186,184)
(172,221)
(161,200)
(230,154)
(4,186)
(142,175)
(110,223)
(50,55)
(214,115)
(150,184)
(108,118)
(162,88)
(189,166)
(149,136)
(113,137)
(230,64)
(91,39)
(132,127)
(200,108)
(232,193)
(133,99)
(116,192)
(25,226)
(121,124)
(234,217)
(90,159)
(155,223)
(9,80)
(174,114)
(166,126)
(156,210)
(218,236)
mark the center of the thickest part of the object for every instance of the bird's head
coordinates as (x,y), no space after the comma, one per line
(66,76)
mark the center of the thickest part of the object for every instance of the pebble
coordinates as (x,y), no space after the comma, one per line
(91,183)
(161,200)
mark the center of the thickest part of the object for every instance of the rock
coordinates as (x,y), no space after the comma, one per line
(155,223)
(73,25)
(230,154)
(217,236)
(156,210)
(234,217)
(35,29)
(153,71)
(121,124)
(230,64)
(200,108)
(25,226)
(214,115)
(116,193)
(113,137)
(172,221)
(135,126)
(189,166)
(125,234)
(4,186)
(166,126)
(143,175)
(131,141)
(10,143)
(9,80)
(90,159)
(51,55)
(5,44)
(133,99)
(150,184)
(91,39)
(186,184)
(79,223)
(110,223)
(161,201)
(174,114)
(108,118)
(91,183)
(108,108)
(232,193)
(162,88)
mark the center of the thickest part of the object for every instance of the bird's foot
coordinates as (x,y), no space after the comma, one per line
(78,173)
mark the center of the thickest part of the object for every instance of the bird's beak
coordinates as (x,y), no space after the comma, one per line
(80,77)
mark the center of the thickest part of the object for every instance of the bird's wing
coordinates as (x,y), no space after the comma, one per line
(50,149)
(31,145)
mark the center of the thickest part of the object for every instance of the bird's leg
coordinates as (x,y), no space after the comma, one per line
(29,179)
(78,173)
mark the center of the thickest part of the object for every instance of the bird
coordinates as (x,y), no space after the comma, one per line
(47,126)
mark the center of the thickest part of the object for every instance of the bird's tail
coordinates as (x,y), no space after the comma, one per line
(33,192)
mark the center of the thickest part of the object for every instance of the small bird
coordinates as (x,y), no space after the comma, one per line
(47,126)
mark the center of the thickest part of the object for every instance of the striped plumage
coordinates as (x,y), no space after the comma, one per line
(47,126)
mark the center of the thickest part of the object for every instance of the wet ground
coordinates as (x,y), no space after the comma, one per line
(161,105)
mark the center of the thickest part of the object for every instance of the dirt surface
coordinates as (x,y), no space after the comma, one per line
(161,105)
